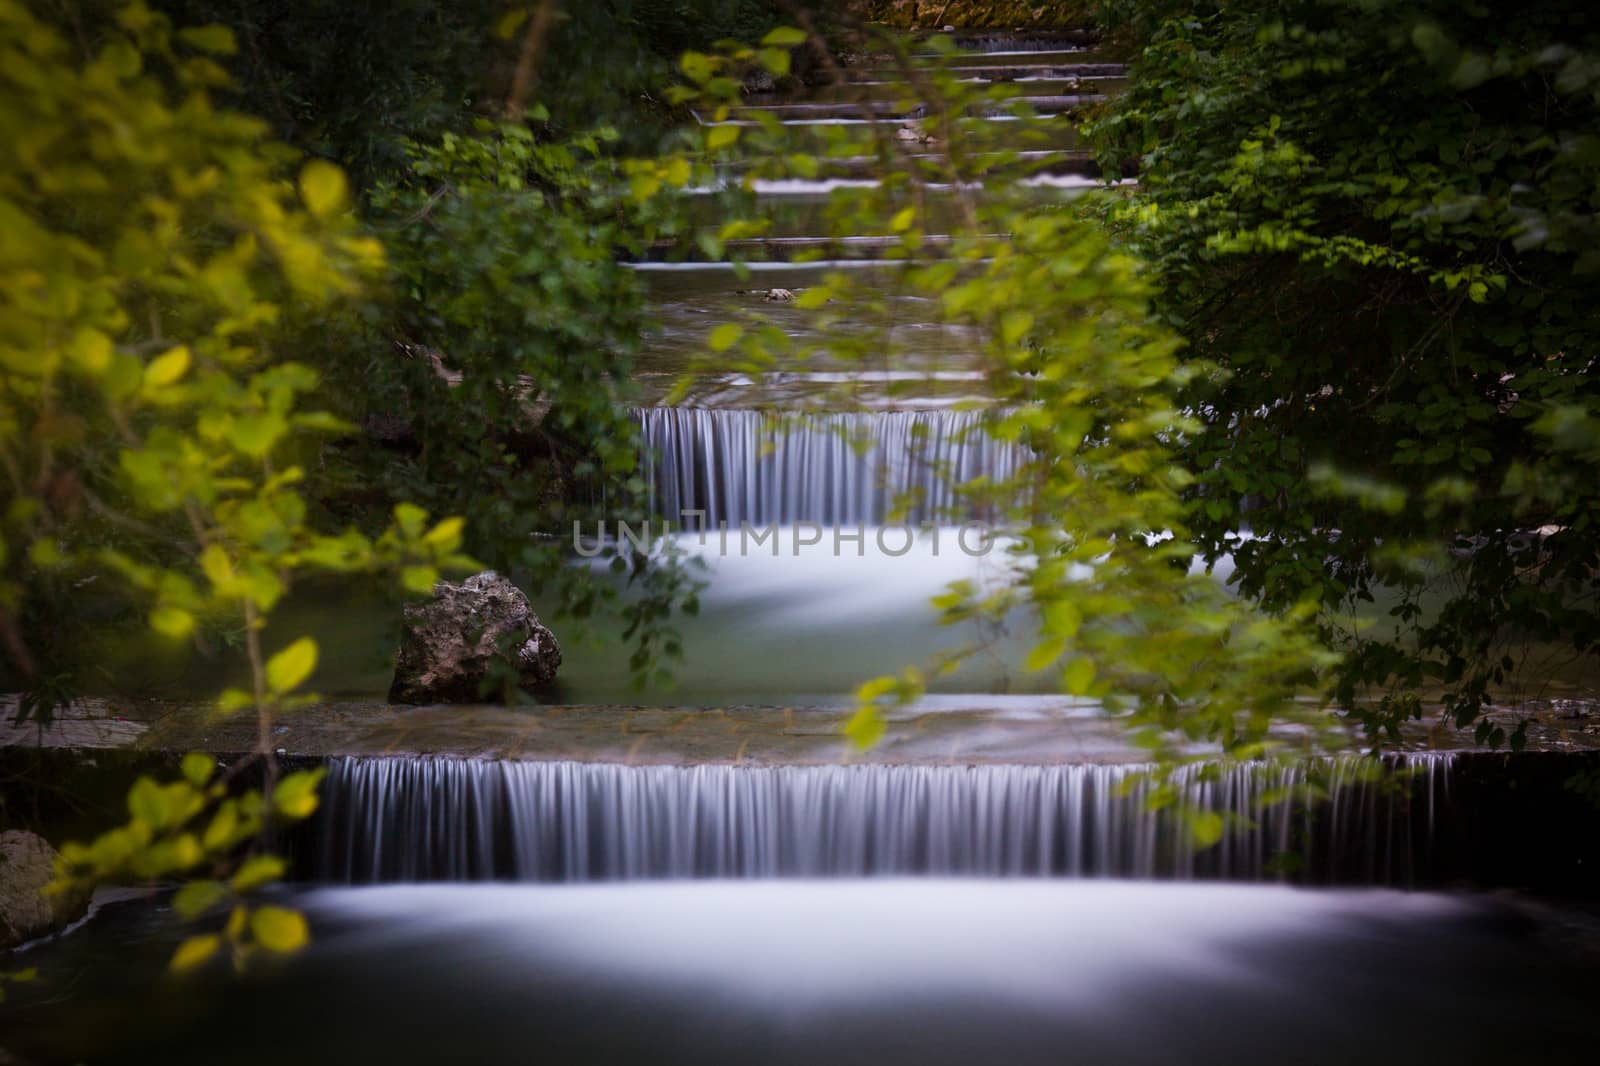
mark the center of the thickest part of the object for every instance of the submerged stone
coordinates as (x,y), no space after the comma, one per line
(480,631)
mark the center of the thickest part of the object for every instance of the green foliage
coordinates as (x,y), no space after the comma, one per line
(517,329)
(1376,220)
(197,828)
(1081,374)
(156,253)
(350,83)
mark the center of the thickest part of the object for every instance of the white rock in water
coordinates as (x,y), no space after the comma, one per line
(779,295)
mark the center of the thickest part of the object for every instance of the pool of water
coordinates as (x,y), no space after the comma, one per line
(882,972)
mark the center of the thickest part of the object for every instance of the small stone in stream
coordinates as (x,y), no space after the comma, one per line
(467,634)
(779,295)
(27,865)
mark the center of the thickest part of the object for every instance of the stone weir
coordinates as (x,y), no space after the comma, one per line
(1427,820)
(572,793)
(429,819)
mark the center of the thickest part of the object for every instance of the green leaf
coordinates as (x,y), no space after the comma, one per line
(1014,325)
(172,622)
(1062,618)
(197,897)
(90,350)
(323,188)
(166,368)
(194,952)
(1078,676)
(219,834)
(218,40)
(419,579)
(233,700)
(257,871)
(198,768)
(291,666)
(784,37)
(866,727)
(508,24)
(279,929)
(446,536)
(775,61)
(725,336)
(719,137)
(1205,826)
(410,518)
(256,434)
(1046,653)
(296,795)
(696,67)
(148,803)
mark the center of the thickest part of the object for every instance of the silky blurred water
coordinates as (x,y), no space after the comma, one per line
(880,972)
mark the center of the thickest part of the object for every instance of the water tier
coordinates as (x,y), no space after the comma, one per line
(839,469)
(428,818)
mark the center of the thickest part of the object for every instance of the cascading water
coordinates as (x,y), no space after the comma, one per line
(840,469)
(429,818)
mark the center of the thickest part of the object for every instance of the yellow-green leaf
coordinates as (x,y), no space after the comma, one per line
(198,767)
(218,40)
(725,336)
(219,834)
(1079,676)
(256,434)
(1046,653)
(194,951)
(419,579)
(775,61)
(323,187)
(296,795)
(166,368)
(91,350)
(291,666)
(866,727)
(148,803)
(696,67)
(45,553)
(718,137)
(1014,325)
(784,37)
(279,929)
(1205,826)
(235,699)
(446,536)
(902,220)
(510,22)
(172,622)
(257,871)
(197,897)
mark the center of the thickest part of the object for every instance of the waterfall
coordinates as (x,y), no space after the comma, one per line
(832,469)
(435,818)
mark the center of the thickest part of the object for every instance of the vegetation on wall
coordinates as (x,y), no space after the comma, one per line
(1375,219)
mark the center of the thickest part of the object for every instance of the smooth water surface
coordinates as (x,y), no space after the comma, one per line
(880,973)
